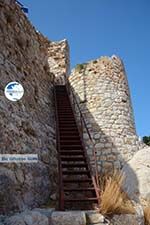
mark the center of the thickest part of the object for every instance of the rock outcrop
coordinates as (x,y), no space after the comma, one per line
(137,175)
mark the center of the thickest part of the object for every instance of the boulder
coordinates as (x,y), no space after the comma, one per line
(134,219)
(137,175)
(94,217)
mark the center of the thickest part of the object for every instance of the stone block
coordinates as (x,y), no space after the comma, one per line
(27,218)
(96,136)
(99,145)
(68,218)
(47,212)
(93,217)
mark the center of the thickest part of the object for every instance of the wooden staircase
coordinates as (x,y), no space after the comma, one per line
(77,188)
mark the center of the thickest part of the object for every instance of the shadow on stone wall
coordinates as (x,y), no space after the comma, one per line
(26,126)
(109,157)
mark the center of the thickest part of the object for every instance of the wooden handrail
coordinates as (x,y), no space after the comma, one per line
(83,124)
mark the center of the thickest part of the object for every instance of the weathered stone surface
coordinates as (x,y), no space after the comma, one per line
(124,219)
(137,175)
(47,212)
(68,218)
(139,213)
(102,91)
(8,197)
(94,217)
(43,216)
(28,126)
(28,218)
(2,219)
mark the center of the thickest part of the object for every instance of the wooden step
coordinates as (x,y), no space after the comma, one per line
(77,180)
(71,152)
(74,142)
(69,130)
(67,109)
(66,118)
(63,106)
(70,165)
(74,168)
(71,146)
(67,121)
(71,142)
(64,158)
(65,102)
(76,172)
(81,200)
(67,125)
(69,136)
(78,189)
(64,112)
(69,139)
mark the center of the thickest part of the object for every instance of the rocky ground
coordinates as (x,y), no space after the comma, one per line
(51,217)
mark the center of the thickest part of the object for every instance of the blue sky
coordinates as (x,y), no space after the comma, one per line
(96,28)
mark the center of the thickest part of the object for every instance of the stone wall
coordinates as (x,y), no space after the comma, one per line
(28,126)
(102,91)
(59,60)
(92,217)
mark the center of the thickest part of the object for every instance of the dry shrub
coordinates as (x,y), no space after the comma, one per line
(147,215)
(113,200)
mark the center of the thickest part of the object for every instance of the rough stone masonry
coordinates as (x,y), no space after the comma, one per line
(28,126)
(102,91)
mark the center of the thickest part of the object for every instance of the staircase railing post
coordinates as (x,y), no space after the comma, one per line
(81,125)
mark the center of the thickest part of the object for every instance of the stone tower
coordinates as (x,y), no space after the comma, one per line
(101,88)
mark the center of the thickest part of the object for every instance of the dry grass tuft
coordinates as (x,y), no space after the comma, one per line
(113,199)
(147,215)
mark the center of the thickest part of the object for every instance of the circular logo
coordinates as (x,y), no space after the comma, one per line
(14,91)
